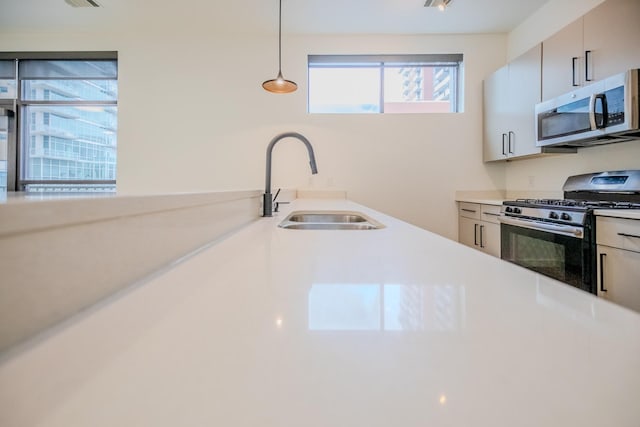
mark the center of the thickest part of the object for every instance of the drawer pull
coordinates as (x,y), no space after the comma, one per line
(491,213)
(635,236)
(468,210)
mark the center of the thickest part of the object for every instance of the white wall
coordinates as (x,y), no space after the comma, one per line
(549,174)
(193,116)
(545,22)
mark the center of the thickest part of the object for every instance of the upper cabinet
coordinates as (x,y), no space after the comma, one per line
(601,43)
(561,64)
(510,95)
(496,105)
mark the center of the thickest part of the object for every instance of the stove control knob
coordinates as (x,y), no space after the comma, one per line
(553,215)
(517,210)
(508,209)
(565,216)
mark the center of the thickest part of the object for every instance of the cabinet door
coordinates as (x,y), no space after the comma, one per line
(619,276)
(490,238)
(611,34)
(468,232)
(495,100)
(560,53)
(525,84)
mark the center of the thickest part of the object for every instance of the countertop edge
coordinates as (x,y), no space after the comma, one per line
(32,214)
(618,213)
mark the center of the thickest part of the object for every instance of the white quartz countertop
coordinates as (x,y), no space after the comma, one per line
(619,213)
(482,201)
(288,328)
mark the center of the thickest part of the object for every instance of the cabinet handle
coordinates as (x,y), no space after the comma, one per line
(602,257)
(475,234)
(574,61)
(496,214)
(504,140)
(635,236)
(587,58)
(467,210)
(481,238)
(511,140)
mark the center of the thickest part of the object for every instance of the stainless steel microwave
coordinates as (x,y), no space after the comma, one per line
(601,113)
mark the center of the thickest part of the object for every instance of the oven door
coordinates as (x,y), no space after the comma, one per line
(557,251)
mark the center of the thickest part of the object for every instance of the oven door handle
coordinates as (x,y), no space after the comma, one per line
(566,230)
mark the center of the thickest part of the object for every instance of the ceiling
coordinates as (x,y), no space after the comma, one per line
(257,16)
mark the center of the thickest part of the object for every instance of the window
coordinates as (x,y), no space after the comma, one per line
(66,109)
(384,83)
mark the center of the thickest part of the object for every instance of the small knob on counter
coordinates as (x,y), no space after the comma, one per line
(565,216)
(553,215)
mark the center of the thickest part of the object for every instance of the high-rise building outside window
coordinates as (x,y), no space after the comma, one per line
(67,124)
(364,84)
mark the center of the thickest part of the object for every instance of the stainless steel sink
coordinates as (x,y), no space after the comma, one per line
(329,220)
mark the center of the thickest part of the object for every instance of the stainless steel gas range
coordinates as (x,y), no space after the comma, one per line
(556,237)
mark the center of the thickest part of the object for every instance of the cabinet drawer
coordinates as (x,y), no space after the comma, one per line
(490,213)
(469,210)
(618,233)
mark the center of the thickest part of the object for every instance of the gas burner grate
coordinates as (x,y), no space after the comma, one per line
(603,204)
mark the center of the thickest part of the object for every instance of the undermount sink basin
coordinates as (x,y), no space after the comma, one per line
(325,217)
(329,220)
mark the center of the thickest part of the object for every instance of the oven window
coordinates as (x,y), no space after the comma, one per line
(554,255)
(540,255)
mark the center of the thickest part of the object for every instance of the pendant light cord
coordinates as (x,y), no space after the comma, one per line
(280,39)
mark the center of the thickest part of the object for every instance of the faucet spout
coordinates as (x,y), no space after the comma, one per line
(267,201)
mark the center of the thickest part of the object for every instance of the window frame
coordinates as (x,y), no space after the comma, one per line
(453,60)
(18,154)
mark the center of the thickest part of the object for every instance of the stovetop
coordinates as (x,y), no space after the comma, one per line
(582,194)
(572,203)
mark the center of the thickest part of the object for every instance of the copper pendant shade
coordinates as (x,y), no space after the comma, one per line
(280,84)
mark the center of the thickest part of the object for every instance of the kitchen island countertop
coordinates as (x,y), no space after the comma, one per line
(274,327)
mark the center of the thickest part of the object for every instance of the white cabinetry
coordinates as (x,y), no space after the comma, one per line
(510,95)
(618,242)
(601,43)
(478,227)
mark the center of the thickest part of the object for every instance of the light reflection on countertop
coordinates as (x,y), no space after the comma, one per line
(388,307)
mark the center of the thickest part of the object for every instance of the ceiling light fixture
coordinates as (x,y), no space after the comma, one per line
(280,84)
(440,4)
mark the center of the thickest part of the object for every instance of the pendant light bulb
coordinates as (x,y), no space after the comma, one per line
(279,84)
(443,5)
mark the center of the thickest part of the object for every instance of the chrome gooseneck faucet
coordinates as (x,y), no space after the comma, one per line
(267,201)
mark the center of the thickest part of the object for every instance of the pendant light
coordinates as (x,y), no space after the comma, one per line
(279,84)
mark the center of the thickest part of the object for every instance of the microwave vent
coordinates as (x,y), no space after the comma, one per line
(82,3)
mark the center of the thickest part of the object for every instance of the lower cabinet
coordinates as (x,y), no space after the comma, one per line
(478,227)
(618,242)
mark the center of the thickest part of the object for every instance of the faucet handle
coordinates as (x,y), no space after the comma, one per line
(276,196)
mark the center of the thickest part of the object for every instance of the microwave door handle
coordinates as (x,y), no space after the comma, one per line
(599,99)
(594,100)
